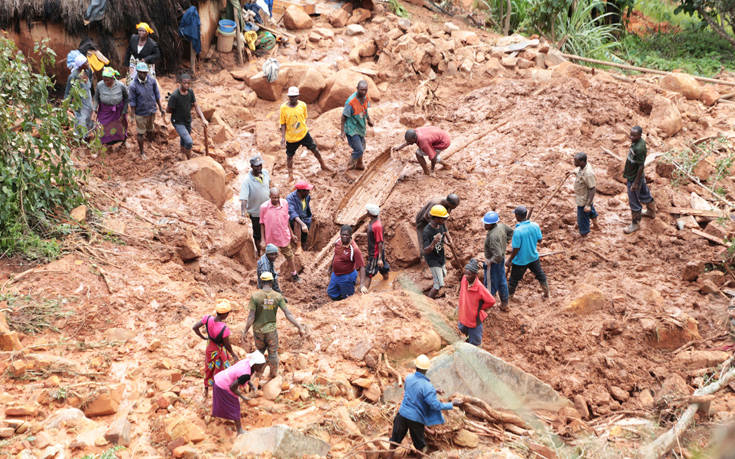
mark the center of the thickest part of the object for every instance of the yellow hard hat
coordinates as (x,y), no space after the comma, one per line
(266,276)
(439,211)
(422,362)
(223,306)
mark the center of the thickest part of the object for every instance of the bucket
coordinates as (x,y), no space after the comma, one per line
(225,41)
(227,26)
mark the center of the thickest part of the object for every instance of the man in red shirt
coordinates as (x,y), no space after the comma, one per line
(376,245)
(474,298)
(347,260)
(431,141)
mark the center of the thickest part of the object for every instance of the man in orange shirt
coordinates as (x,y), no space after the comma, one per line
(474,298)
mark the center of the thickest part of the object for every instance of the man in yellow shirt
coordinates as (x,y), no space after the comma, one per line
(294,132)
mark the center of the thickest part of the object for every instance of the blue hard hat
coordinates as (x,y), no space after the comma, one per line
(490,218)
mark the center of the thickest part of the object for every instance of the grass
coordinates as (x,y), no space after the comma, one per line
(109,454)
(663,11)
(32,315)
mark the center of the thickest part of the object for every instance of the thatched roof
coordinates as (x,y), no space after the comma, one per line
(121,16)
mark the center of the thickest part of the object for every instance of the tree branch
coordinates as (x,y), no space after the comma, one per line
(715,26)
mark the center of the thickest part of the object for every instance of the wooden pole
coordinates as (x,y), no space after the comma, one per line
(193,60)
(644,69)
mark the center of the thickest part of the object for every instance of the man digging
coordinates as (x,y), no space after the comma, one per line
(431,141)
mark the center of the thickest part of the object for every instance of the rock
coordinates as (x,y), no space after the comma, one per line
(707,287)
(692,270)
(465,37)
(280,441)
(295,18)
(466,439)
(367,49)
(372,393)
(412,120)
(553,58)
(272,388)
(9,340)
(619,394)
(355,29)
(105,401)
(185,452)
(687,221)
(166,399)
(581,405)
(426,342)
(308,79)
(450,27)
(467,369)
(64,417)
(683,84)
(525,63)
(235,236)
(188,250)
(709,96)
(664,169)
(716,229)
(406,237)
(466,65)
(119,432)
(665,116)
(392,394)
(17,368)
(79,214)
(265,89)
(695,360)
(359,15)
(338,17)
(24,410)
(301,376)
(250,97)
(587,299)
(208,177)
(179,427)
(341,86)
(403,25)
(363,382)
(325,33)
(347,423)
(673,388)
(509,61)
(6,432)
(645,399)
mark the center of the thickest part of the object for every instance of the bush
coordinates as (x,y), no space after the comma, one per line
(38,179)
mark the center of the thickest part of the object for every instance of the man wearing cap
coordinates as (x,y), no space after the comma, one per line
(294,132)
(423,218)
(638,192)
(347,261)
(144,97)
(496,242)
(299,209)
(354,117)
(275,229)
(264,305)
(474,299)
(180,104)
(584,193)
(433,240)
(267,264)
(420,407)
(375,245)
(526,236)
(254,192)
(431,141)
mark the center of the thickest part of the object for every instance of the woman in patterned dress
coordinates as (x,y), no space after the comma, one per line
(219,354)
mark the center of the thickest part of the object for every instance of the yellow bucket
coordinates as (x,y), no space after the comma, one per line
(96,60)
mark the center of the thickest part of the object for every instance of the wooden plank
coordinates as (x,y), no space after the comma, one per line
(709,237)
(695,212)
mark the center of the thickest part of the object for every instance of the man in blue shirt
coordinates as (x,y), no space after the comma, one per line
(420,407)
(299,210)
(144,97)
(524,255)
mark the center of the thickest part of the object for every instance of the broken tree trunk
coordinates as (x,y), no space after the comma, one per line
(663,444)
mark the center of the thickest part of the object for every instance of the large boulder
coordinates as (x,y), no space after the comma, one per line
(208,177)
(279,441)
(307,78)
(342,85)
(183,429)
(665,116)
(405,237)
(295,18)
(234,237)
(265,89)
(586,299)
(683,84)
(339,17)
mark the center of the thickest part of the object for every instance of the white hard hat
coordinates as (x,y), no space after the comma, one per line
(293,91)
(422,362)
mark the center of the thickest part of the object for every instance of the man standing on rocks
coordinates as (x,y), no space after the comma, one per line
(144,97)
(584,193)
(264,305)
(375,245)
(496,242)
(423,218)
(354,117)
(299,209)
(420,407)
(180,104)
(275,229)
(254,191)
(474,299)
(343,269)
(433,240)
(294,132)
(638,193)
(431,141)
(525,255)
(267,264)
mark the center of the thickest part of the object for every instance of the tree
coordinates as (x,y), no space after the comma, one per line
(718,14)
(38,180)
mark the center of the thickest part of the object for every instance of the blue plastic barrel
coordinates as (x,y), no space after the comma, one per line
(227,26)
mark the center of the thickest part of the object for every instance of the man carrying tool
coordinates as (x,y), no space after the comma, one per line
(584,193)
(294,132)
(299,209)
(638,192)
(264,305)
(423,218)
(496,242)
(354,117)
(433,240)
(420,407)
(180,104)
(474,299)
(431,141)
(275,229)
(525,255)
(254,192)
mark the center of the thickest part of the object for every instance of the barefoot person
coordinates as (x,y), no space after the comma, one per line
(584,193)
(144,97)
(352,128)
(216,356)
(294,132)
(226,389)
(431,141)
(180,104)
(638,193)
(526,236)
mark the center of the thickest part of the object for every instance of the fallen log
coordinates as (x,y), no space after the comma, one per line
(492,414)
(665,442)
(709,237)
(696,181)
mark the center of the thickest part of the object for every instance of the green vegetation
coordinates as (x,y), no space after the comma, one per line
(32,315)
(397,8)
(109,454)
(38,180)
(664,11)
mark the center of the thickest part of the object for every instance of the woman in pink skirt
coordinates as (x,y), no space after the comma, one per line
(225,391)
